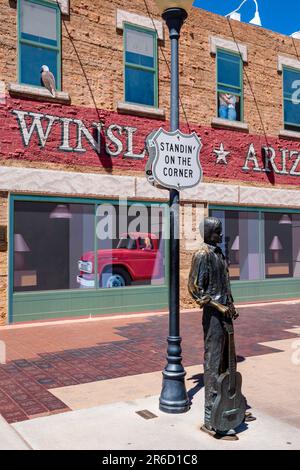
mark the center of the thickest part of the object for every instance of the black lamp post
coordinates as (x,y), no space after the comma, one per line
(174,398)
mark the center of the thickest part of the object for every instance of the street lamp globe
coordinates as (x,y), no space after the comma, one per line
(164,5)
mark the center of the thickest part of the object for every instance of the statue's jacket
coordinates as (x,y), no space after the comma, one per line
(209,275)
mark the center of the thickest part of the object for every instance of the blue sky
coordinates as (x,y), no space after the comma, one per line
(282,16)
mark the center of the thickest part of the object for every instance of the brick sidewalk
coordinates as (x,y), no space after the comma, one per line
(52,356)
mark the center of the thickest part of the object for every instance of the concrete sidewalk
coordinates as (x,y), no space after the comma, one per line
(102,413)
(10,438)
(118,426)
(105,415)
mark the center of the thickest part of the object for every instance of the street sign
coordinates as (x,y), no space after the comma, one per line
(174,159)
(151,150)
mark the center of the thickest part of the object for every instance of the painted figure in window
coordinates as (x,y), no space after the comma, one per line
(209,285)
(227,106)
(147,244)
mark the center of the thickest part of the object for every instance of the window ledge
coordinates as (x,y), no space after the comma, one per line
(140,110)
(289,134)
(227,124)
(38,93)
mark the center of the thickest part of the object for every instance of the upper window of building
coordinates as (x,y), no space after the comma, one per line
(229,85)
(39,32)
(140,58)
(291,80)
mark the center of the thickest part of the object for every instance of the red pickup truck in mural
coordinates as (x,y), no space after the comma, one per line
(135,259)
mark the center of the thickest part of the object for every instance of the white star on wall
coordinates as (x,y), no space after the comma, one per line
(221,155)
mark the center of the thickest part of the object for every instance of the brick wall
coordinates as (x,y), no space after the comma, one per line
(93,75)
(92,72)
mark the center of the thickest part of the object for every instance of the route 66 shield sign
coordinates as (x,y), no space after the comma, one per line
(174,159)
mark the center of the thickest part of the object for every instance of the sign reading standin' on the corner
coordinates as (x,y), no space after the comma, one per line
(174,159)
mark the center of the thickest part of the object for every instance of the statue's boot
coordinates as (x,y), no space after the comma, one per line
(229,435)
(249,417)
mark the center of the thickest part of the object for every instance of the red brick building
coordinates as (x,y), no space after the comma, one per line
(68,159)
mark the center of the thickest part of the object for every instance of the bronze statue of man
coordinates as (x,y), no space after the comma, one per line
(209,285)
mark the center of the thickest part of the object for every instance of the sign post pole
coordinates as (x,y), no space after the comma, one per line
(174,398)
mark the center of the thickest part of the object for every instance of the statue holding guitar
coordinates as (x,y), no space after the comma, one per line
(209,285)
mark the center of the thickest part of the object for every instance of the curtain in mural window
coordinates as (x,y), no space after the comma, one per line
(38,23)
(241,243)
(139,48)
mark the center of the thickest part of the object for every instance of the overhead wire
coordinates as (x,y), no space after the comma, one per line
(249,82)
(167,63)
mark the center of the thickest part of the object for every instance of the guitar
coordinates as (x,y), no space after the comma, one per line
(229,407)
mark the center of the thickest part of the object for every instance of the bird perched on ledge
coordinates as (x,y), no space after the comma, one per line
(47,79)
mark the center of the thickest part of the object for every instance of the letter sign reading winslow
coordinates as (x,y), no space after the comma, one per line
(176,159)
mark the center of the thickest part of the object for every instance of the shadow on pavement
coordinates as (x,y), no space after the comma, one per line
(198,380)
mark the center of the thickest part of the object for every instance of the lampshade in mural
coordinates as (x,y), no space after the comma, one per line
(236,244)
(275,244)
(20,245)
(61,211)
(285,219)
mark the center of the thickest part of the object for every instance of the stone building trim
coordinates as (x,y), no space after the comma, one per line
(64,6)
(227,124)
(123,16)
(140,110)
(288,61)
(218,42)
(293,135)
(269,197)
(65,183)
(38,93)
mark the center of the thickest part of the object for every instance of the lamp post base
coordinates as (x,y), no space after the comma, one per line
(174,398)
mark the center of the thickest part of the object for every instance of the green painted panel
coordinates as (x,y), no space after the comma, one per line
(46,305)
(268,289)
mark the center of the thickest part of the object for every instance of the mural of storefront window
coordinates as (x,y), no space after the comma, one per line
(260,244)
(66,255)
(49,239)
(282,245)
(130,246)
(56,245)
